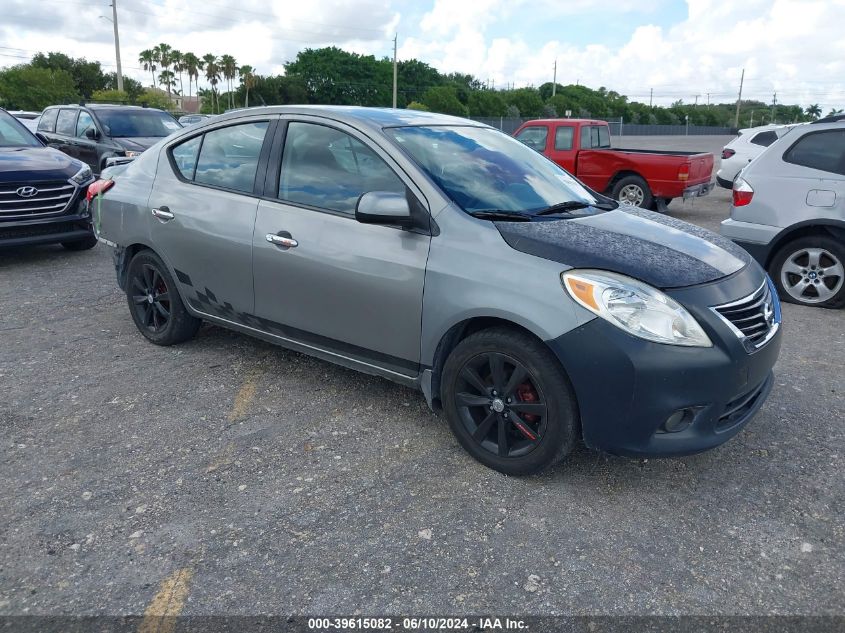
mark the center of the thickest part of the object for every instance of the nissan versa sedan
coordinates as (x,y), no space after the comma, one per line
(447,256)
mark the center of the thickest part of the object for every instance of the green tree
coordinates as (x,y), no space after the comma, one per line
(416,105)
(212,74)
(132,87)
(444,99)
(111,96)
(147,59)
(814,111)
(486,103)
(413,78)
(178,67)
(87,76)
(527,100)
(332,75)
(193,65)
(247,74)
(26,87)
(153,98)
(229,70)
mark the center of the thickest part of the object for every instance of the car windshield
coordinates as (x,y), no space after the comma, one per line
(482,169)
(137,123)
(14,134)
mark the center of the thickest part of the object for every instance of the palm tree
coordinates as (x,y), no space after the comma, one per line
(163,52)
(247,74)
(212,74)
(167,79)
(192,65)
(178,66)
(147,59)
(814,111)
(835,112)
(229,68)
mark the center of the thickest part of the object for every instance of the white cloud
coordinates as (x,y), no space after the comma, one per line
(794,47)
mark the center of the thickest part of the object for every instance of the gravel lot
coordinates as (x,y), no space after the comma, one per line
(256,480)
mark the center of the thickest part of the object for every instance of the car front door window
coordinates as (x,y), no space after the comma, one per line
(326,168)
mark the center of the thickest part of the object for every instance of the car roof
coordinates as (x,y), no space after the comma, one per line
(375,118)
(104,106)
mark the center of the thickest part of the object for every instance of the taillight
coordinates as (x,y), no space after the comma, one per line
(98,187)
(727,153)
(742,193)
(683,172)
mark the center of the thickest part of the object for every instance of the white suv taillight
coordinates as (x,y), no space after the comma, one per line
(742,192)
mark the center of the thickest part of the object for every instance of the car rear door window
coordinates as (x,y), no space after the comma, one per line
(534,137)
(326,168)
(66,122)
(604,136)
(84,123)
(229,156)
(563,138)
(824,151)
(765,138)
(185,156)
(47,122)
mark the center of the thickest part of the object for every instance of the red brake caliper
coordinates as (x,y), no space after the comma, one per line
(526,393)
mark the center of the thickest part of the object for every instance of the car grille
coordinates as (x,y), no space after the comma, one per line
(754,318)
(50,198)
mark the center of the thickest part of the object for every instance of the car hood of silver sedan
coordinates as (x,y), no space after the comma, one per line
(657,249)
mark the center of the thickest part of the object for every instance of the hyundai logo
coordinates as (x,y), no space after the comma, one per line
(26,192)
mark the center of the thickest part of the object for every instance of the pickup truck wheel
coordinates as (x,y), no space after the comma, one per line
(811,271)
(633,190)
(155,304)
(509,402)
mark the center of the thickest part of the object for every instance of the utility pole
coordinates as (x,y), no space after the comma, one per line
(751,123)
(395,38)
(554,80)
(774,102)
(116,45)
(739,99)
(696,101)
(708,99)
(650,96)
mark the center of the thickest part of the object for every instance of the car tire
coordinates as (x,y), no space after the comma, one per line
(81,245)
(633,190)
(509,402)
(811,271)
(155,304)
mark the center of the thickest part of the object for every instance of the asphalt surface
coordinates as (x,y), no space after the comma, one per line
(237,477)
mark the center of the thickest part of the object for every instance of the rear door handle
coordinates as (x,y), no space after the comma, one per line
(163,214)
(284,240)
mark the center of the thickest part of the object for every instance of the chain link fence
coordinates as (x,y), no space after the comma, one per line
(619,128)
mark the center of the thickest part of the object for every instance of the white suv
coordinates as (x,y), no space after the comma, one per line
(788,211)
(750,143)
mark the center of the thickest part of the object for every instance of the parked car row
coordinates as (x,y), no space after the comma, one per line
(788,211)
(750,143)
(447,256)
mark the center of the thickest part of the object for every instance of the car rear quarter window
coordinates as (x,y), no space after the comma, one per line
(764,138)
(534,137)
(563,138)
(66,122)
(228,157)
(185,156)
(326,168)
(47,123)
(823,150)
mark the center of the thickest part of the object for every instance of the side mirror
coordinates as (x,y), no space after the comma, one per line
(384,207)
(92,133)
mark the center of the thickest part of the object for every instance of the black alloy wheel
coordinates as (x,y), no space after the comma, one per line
(501,405)
(150,298)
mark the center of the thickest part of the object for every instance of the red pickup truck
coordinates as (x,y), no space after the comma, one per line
(645,178)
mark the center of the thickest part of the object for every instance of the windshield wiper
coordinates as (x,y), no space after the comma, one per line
(573,205)
(500,214)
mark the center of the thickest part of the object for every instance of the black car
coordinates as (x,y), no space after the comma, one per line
(95,133)
(42,192)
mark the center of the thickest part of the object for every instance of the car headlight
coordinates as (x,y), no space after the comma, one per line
(634,307)
(83,175)
(131,154)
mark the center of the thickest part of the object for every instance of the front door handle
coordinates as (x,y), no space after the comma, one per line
(285,241)
(163,214)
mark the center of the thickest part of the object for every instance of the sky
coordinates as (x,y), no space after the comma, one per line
(679,49)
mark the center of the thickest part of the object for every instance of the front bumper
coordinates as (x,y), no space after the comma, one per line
(697,191)
(627,388)
(68,227)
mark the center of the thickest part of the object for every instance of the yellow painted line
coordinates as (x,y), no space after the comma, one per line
(244,397)
(167,604)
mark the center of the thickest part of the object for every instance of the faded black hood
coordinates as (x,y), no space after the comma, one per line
(26,164)
(651,247)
